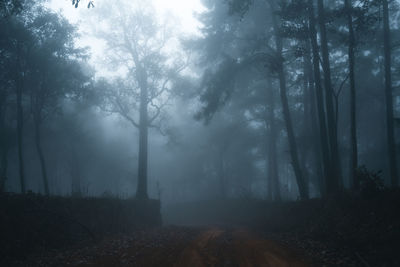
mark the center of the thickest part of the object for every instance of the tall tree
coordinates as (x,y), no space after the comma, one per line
(53,74)
(146,88)
(279,65)
(273,174)
(353,124)
(333,182)
(391,144)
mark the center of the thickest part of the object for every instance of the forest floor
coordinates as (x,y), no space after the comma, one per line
(178,247)
(344,231)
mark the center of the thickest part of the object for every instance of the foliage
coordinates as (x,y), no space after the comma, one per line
(75,3)
(371,183)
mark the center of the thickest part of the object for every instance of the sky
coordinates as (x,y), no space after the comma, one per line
(183,11)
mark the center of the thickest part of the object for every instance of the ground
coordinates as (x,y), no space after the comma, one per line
(342,231)
(179,247)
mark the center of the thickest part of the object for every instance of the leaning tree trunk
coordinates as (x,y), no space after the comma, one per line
(389,98)
(141,192)
(19,85)
(301,183)
(353,125)
(273,175)
(39,150)
(335,178)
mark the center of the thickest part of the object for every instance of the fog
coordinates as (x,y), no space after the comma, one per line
(201,107)
(211,82)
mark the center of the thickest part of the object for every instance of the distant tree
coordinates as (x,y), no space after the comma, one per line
(335,179)
(136,45)
(391,143)
(52,74)
(317,82)
(353,125)
(278,66)
(14,45)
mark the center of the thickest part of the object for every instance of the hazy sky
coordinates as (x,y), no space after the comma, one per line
(182,10)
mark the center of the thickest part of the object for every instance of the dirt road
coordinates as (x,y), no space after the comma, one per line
(179,247)
(238,247)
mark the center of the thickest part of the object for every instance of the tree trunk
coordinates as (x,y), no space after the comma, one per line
(41,156)
(312,114)
(326,157)
(273,175)
(4,167)
(19,86)
(353,125)
(3,145)
(302,185)
(333,182)
(389,98)
(221,174)
(141,192)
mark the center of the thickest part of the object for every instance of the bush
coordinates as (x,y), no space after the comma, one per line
(371,183)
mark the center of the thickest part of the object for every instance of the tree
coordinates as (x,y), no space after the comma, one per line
(52,74)
(353,123)
(334,182)
(273,174)
(391,144)
(278,65)
(13,37)
(149,72)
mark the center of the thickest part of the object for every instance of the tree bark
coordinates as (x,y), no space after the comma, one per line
(273,175)
(326,157)
(312,114)
(4,168)
(3,144)
(19,86)
(141,192)
(353,122)
(221,174)
(41,156)
(335,177)
(302,185)
(389,98)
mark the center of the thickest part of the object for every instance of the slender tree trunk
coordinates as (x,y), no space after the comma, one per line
(141,192)
(306,146)
(3,145)
(4,153)
(19,86)
(325,151)
(333,182)
(273,175)
(312,114)
(221,174)
(75,171)
(4,168)
(302,185)
(42,160)
(353,125)
(389,98)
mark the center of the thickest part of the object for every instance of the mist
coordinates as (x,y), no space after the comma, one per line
(220,127)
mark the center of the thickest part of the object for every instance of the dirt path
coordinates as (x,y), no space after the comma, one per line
(178,247)
(239,247)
